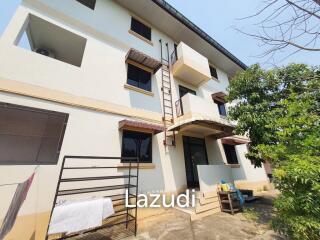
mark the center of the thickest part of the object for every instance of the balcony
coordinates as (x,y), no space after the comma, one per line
(190,66)
(195,114)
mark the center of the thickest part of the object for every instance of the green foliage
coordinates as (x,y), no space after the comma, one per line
(280,111)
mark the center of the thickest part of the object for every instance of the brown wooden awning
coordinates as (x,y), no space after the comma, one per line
(219,96)
(142,126)
(234,140)
(215,127)
(143,59)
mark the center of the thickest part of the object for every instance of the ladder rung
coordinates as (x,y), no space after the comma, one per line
(168,113)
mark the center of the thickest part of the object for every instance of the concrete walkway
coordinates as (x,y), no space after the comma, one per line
(173,224)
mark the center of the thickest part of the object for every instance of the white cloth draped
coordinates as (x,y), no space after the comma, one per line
(76,216)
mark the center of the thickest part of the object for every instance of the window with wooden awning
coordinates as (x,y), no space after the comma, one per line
(140,126)
(143,61)
(219,96)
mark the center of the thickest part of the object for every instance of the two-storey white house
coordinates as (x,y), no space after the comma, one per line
(114,78)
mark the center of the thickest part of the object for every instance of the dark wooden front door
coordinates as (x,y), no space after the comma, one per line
(194,154)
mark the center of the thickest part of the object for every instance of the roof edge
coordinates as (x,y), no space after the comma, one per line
(184,20)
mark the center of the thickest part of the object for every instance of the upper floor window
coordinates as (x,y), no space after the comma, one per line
(141,29)
(30,136)
(213,72)
(88,3)
(231,154)
(137,144)
(183,91)
(139,78)
(221,108)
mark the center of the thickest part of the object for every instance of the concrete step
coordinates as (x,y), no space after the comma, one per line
(203,208)
(197,216)
(204,201)
(210,194)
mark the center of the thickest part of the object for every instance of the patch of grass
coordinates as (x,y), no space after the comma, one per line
(251,214)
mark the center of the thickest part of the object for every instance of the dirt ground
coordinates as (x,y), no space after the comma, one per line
(173,224)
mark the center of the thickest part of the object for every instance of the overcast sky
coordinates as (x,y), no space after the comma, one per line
(219,20)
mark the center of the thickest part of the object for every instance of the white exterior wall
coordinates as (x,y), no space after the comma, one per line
(88,133)
(102,76)
(247,171)
(103,71)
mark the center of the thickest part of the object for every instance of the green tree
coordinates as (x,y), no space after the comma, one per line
(279,110)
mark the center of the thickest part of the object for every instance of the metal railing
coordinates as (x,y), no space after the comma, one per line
(173,57)
(129,213)
(179,107)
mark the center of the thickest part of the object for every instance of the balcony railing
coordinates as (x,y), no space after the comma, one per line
(179,107)
(190,103)
(173,57)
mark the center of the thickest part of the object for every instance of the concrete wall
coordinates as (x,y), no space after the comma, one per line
(91,130)
(87,133)
(211,175)
(202,106)
(103,60)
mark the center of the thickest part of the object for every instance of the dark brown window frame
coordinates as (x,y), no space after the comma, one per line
(89,4)
(136,132)
(139,80)
(141,32)
(43,111)
(215,74)
(223,112)
(186,90)
(230,152)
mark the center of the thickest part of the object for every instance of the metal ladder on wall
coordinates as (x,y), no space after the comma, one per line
(168,118)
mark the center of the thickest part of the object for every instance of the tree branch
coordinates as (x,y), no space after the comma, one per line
(303,9)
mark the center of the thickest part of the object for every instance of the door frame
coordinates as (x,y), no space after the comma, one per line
(187,157)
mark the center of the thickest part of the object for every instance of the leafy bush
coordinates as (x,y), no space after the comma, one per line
(280,111)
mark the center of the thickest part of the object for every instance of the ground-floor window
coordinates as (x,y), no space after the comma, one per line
(231,154)
(30,135)
(137,144)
